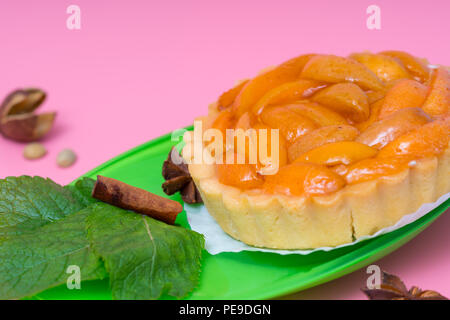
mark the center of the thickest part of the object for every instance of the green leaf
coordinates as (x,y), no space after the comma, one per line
(38,259)
(145,258)
(82,191)
(29,202)
(44,229)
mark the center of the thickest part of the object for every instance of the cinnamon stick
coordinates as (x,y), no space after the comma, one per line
(127,197)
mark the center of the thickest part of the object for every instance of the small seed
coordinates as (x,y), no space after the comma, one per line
(34,150)
(66,158)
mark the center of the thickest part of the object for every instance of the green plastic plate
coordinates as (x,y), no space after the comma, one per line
(242,275)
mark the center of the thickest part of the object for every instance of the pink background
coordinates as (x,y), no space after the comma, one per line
(139,69)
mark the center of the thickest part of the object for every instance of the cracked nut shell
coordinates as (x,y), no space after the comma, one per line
(17,118)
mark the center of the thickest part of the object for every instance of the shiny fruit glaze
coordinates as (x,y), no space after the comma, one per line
(416,67)
(426,141)
(371,169)
(289,91)
(438,99)
(299,178)
(321,115)
(344,152)
(381,132)
(243,176)
(320,137)
(386,68)
(345,98)
(341,120)
(291,124)
(404,94)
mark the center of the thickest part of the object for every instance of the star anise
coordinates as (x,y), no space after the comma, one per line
(392,288)
(175,172)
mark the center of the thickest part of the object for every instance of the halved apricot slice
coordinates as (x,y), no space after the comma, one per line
(417,68)
(429,140)
(227,98)
(303,178)
(287,92)
(334,69)
(225,120)
(404,94)
(373,117)
(270,161)
(345,98)
(340,169)
(344,152)
(321,115)
(319,137)
(258,150)
(258,86)
(386,68)
(438,99)
(384,131)
(242,176)
(246,121)
(290,124)
(374,96)
(370,169)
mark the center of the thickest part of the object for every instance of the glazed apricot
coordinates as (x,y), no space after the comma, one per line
(265,160)
(373,117)
(334,69)
(385,67)
(340,169)
(370,169)
(319,137)
(374,96)
(384,131)
(321,115)
(290,124)
(404,94)
(438,100)
(287,92)
(417,68)
(227,98)
(242,176)
(429,140)
(345,98)
(257,87)
(303,178)
(225,120)
(344,152)
(246,121)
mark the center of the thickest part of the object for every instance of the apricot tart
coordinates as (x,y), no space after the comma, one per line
(359,142)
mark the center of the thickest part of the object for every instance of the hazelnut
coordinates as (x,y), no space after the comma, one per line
(66,158)
(34,150)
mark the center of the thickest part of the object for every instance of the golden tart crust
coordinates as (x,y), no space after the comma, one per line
(286,222)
